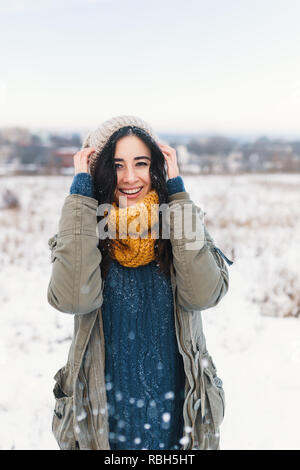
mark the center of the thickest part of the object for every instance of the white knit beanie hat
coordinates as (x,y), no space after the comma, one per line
(98,138)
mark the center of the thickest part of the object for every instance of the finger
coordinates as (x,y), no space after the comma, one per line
(166,146)
(168,151)
(163,146)
(89,150)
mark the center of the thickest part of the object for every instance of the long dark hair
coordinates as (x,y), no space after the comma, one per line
(105,182)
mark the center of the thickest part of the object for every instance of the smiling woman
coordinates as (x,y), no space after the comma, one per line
(135,373)
(118,167)
(133,175)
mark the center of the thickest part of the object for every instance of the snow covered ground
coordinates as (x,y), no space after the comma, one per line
(253,334)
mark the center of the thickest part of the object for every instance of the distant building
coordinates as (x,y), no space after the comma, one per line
(185,161)
(15,135)
(212,164)
(63,156)
(234,161)
(183,156)
(6,151)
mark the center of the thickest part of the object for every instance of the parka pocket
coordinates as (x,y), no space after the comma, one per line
(62,421)
(52,243)
(214,391)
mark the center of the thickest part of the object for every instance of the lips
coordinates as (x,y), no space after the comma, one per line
(131,191)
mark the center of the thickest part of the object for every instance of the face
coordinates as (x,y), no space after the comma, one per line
(132,160)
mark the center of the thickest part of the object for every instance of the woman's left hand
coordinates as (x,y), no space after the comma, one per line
(171,160)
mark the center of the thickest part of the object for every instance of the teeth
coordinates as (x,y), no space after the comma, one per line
(131,191)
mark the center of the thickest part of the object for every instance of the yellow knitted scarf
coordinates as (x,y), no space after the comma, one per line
(134,225)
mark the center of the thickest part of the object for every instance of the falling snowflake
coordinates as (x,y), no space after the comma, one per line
(131,335)
(188,429)
(184,440)
(81,416)
(77,429)
(85,289)
(204,363)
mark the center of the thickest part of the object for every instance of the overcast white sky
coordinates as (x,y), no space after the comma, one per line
(184,66)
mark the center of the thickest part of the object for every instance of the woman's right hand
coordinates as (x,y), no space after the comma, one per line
(81,160)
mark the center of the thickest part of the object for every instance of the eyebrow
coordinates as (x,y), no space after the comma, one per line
(135,158)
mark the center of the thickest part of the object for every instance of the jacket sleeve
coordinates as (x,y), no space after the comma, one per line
(75,285)
(201,273)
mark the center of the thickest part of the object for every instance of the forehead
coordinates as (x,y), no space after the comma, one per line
(131,146)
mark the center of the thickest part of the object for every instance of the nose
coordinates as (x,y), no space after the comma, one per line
(130,176)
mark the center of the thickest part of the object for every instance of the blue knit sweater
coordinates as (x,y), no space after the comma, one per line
(144,370)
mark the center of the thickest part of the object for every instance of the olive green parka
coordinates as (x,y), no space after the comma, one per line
(199,278)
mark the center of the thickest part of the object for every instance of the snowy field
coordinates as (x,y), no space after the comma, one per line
(253,334)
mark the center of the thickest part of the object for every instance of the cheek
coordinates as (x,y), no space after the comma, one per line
(147,177)
(116,188)
(119,181)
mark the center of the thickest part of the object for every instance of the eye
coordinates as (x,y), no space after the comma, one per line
(117,165)
(142,163)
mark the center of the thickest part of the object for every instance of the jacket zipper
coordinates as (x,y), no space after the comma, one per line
(191,359)
(88,403)
(79,372)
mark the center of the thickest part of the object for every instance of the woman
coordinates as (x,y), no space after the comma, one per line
(138,375)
